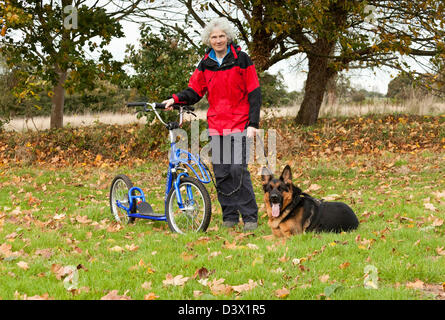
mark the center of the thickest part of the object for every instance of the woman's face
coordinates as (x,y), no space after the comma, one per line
(218,41)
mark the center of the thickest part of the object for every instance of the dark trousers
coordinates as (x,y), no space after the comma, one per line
(230,155)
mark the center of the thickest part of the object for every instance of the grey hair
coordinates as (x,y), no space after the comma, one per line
(218,23)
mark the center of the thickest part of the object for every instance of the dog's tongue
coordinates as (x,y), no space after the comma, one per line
(275,209)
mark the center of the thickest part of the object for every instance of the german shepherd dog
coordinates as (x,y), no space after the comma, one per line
(291,211)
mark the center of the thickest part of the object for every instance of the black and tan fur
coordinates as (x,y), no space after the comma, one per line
(299,212)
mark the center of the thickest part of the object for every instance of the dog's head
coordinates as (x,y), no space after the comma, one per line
(278,193)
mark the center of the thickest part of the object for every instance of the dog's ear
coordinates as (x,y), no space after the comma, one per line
(266,176)
(286,175)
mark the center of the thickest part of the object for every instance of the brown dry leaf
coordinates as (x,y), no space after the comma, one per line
(324,278)
(437,222)
(116,249)
(131,247)
(228,245)
(202,273)
(11,236)
(61,271)
(187,256)
(44,296)
(429,206)
(439,194)
(197,293)
(179,280)
(314,187)
(199,241)
(151,296)
(146,285)
(252,246)
(23,265)
(5,250)
(245,287)
(440,251)
(46,253)
(418,284)
(114,227)
(214,254)
(83,219)
(59,216)
(282,293)
(219,288)
(344,265)
(113,295)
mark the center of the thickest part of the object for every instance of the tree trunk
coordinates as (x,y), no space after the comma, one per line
(58,101)
(316,83)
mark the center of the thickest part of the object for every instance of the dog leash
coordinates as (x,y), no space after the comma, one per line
(241,178)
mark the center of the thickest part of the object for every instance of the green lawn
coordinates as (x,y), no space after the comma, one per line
(52,218)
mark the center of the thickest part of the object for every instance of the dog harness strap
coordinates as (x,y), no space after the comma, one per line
(291,206)
(314,223)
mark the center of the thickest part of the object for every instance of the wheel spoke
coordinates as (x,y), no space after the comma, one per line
(193,215)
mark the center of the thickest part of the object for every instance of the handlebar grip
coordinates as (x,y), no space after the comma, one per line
(175,106)
(160,105)
(136,104)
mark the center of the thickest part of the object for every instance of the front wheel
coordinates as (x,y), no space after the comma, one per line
(196,212)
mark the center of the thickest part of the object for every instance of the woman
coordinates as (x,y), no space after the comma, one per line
(228,77)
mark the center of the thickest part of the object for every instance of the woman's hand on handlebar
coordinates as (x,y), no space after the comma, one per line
(169,104)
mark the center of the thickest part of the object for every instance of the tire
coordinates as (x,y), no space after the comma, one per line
(195,219)
(119,191)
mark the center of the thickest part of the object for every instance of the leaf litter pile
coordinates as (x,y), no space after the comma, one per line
(58,241)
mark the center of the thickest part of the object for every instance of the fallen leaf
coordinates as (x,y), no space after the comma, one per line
(344,265)
(46,253)
(146,285)
(187,256)
(113,295)
(116,249)
(44,296)
(324,278)
(437,222)
(219,288)
(151,296)
(418,284)
(202,273)
(245,287)
(314,187)
(430,206)
(131,247)
(179,280)
(83,219)
(252,246)
(23,265)
(282,293)
(197,293)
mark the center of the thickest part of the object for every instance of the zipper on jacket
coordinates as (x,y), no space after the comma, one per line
(226,64)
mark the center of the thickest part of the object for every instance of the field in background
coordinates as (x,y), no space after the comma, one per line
(417,107)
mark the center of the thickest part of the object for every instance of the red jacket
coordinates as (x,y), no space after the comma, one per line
(233,92)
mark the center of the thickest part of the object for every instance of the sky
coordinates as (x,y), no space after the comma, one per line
(294,78)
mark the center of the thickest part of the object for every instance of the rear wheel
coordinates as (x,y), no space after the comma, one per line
(196,212)
(119,192)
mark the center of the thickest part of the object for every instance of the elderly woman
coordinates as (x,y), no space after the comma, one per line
(228,77)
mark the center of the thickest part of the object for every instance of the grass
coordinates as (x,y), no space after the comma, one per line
(396,235)
(53,217)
